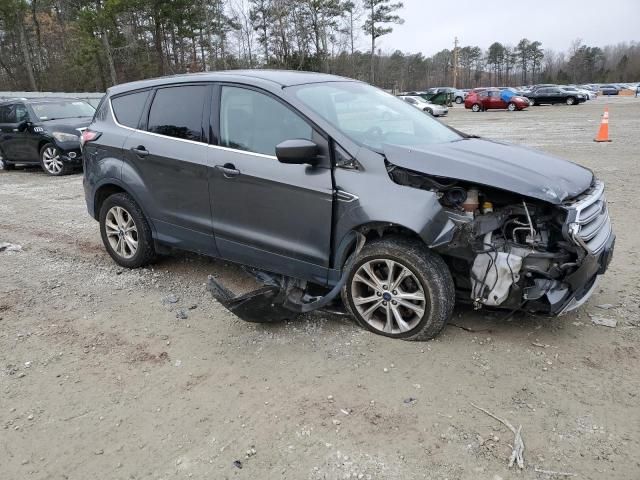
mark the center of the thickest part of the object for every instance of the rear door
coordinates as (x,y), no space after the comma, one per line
(265,213)
(169,154)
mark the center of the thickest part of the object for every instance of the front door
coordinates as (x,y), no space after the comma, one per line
(267,214)
(14,135)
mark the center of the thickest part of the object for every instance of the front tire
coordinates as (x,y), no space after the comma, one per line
(571,101)
(476,107)
(512,107)
(125,232)
(51,161)
(459,100)
(400,289)
(429,111)
(4,163)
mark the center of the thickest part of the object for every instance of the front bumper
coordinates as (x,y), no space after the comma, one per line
(70,152)
(585,280)
(73,157)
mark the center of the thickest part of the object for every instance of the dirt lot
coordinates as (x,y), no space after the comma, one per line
(100,379)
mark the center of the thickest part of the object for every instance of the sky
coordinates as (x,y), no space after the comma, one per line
(431,26)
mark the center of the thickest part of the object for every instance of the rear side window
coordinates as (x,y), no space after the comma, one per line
(128,108)
(177,112)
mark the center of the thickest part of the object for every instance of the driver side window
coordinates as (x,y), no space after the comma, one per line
(21,113)
(254,122)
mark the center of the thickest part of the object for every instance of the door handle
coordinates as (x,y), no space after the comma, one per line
(140,151)
(228,170)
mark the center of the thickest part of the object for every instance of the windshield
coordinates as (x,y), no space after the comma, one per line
(372,117)
(62,109)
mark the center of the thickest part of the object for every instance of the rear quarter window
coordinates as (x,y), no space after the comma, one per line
(128,108)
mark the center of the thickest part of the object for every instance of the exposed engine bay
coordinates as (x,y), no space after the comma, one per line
(514,252)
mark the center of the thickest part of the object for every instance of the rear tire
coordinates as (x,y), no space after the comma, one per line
(125,232)
(52,163)
(411,296)
(459,100)
(532,101)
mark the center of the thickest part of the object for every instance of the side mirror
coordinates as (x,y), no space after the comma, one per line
(298,151)
(23,125)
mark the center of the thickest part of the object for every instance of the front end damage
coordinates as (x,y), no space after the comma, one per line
(509,251)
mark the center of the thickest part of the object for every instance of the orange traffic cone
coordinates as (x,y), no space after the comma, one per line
(603,133)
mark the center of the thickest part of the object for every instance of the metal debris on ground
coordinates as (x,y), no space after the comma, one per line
(605,322)
(237,463)
(555,474)
(605,306)
(10,247)
(182,314)
(518,444)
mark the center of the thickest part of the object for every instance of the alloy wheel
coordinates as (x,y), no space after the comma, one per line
(388,296)
(122,232)
(51,160)
(475,107)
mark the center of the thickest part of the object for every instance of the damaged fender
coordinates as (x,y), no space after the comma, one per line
(279,298)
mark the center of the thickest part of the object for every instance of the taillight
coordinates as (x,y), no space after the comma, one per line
(89,136)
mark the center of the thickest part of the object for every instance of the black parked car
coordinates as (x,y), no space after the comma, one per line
(553,95)
(275,171)
(43,130)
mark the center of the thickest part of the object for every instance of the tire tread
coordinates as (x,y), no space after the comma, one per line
(436,279)
(146,253)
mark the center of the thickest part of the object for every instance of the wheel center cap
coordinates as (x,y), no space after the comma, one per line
(386,296)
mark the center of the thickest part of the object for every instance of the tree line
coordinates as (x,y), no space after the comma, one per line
(88,45)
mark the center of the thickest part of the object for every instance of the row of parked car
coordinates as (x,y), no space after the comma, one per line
(510,98)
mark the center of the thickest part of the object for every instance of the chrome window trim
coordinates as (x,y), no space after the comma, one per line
(217,147)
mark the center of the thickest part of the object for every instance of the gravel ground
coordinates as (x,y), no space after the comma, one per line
(99,377)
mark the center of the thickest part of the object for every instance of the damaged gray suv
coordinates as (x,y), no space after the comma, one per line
(329,191)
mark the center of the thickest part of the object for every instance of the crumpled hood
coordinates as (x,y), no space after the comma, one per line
(495,164)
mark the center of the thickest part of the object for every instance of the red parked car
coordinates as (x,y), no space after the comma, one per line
(491,99)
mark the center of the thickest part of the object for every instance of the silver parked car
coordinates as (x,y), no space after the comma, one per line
(425,106)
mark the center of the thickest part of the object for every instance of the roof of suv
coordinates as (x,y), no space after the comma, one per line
(284,78)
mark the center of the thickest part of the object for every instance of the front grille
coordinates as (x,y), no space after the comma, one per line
(588,223)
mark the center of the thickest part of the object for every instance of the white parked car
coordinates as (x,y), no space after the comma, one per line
(589,94)
(422,104)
